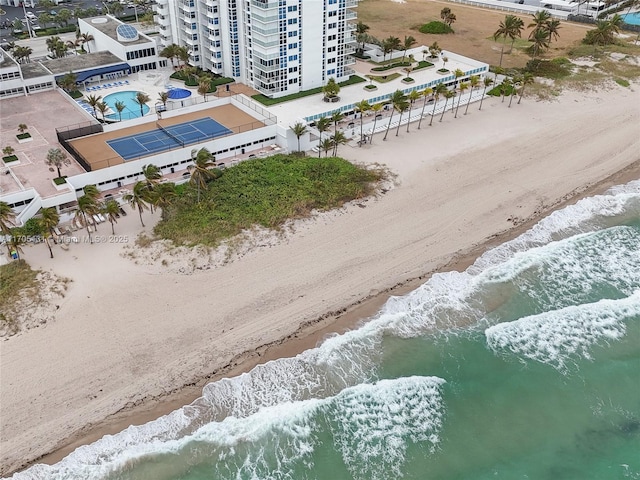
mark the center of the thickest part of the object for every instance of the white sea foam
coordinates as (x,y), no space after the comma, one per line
(559,337)
(371,425)
(587,215)
(374,424)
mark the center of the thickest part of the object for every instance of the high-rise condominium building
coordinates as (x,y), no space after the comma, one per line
(278,47)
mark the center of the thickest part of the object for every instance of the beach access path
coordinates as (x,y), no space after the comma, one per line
(128,335)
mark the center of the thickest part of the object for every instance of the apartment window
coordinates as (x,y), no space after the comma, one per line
(293,45)
(331,60)
(194,26)
(292,21)
(333,2)
(332,25)
(332,14)
(331,49)
(292,34)
(292,81)
(331,37)
(292,8)
(293,57)
(293,69)
(331,72)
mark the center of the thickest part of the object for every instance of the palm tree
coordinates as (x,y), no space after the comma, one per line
(48,221)
(203,88)
(138,198)
(298,130)
(102,107)
(338,138)
(462,87)
(120,106)
(402,107)
(413,96)
(427,92)
(396,99)
(487,82)
(86,38)
(517,79)
(511,27)
(552,26)
(335,118)
(165,193)
(440,89)
(152,175)
(87,206)
(7,219)
(203,162)
(474,81)
(163,97)
(322,124)
(111,209)
(91,191)
(505,86)
(408,43)
(169,52)
(540,39)
(361,32)
(141,99)
(362,106)
(376,109)
(93,101)
(527,79)
(57,158)
(326,145)
(73,44)
(539,20)
(447,95)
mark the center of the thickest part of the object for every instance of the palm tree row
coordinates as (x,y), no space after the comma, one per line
(544,29)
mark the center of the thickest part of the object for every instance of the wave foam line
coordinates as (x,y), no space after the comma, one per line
(558,337)
(371,426)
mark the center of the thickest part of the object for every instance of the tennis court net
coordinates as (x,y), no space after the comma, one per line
(170,135)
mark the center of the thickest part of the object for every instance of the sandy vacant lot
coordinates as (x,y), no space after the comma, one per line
(473,29)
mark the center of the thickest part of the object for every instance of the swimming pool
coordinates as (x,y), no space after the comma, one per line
(131,110)
(632,18)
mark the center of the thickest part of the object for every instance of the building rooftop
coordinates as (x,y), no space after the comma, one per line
(109,26)
(74,63)
(33,70)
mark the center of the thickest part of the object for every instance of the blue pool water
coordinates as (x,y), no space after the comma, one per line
(132,109)
(632,18)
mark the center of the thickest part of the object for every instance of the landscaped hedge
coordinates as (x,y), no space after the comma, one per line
(390,66)
(422,64)
(353,79)
(192,80)
(436,27)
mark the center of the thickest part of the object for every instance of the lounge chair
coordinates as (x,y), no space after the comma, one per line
(96,218)
(126,82)
(122,212)
(102,218)
(57,231)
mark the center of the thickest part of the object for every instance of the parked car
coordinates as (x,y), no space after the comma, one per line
(31,15)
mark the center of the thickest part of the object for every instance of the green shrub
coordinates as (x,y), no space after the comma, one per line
(9,158)
(497,91)
(436,27)
(370,87)
(622,82)
(390,66)
(22,136)
(60,180)
(264,192)
(407,79)
(423,64)
(549,68)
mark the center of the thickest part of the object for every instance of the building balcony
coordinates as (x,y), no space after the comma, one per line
(349,48)
(351,4)
(266,44)
(264,18)
(349,71)
(265,4)
(258,69)
(349,60)
(162,20)
(350,15)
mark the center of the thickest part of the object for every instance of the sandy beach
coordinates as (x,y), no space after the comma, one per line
(131,341)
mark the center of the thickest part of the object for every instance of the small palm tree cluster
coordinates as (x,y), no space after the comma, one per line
(150,193)
(447,16)
(22,54)
(544,29)
(605,32)
(57,46)
(514,85)
(173,52)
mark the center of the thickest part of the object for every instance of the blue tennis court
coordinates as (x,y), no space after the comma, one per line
(162,139)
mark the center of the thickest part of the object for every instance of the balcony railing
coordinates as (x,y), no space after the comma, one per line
(349,60)
(265,4)
(349,71)
(351,3)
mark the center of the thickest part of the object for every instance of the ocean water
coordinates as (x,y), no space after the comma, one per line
(525,366)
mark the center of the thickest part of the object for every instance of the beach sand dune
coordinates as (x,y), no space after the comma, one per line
(127,335)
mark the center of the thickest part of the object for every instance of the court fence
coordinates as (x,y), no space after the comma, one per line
(78,130)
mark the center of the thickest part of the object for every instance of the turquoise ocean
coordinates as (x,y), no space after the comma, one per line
(524,366)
